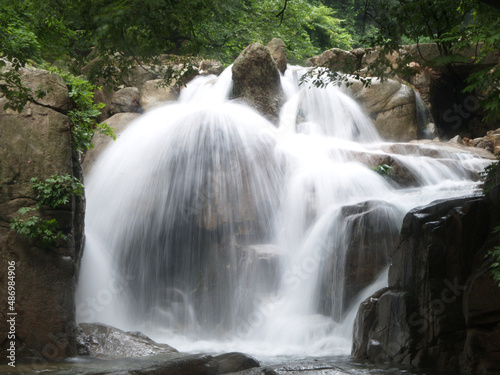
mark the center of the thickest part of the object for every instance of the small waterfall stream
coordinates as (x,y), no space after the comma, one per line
(210,229)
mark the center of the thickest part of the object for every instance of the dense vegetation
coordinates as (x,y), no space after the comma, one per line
(114,34)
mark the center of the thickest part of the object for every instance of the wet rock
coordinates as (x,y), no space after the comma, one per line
(278,51)
(262,264)
(391,105)
(316,366)
(398,172)
(257,81)
(365,320)
(479,307)
(372,229)
(435,149)
(440,299)
(256,371)
(235,362)
(155,93)
(126,100)
(103,341)
(177,364)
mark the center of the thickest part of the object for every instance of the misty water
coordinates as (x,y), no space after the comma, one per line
(213,230)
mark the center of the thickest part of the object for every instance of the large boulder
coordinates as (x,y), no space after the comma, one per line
(138,75)
(126,100)
(371,230)
(392,107)
(441,309)
(103,341)
(51,84)
(336,60)
(37,143)
(256,80)
(207,67)
(278,51)
(156,92)
(235,362)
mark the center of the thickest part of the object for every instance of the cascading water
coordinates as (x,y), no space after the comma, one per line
(210,229)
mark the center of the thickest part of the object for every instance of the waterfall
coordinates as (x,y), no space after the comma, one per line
(211,229)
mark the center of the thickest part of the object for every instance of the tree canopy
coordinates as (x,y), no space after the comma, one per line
(114,34)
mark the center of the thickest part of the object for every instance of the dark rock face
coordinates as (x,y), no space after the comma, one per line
(373,230)
(235,362)
(37,143)
(442,309)
(257,81)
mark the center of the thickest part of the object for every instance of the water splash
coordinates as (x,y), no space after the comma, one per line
(222,232)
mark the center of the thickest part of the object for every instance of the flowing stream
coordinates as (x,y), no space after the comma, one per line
(212,230)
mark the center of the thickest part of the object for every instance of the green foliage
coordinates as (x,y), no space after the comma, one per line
(83,111)
(491,175)
(18,42)
(484,33)
(383,169)
(45,233)
(56,190)
(136,31)
(18,45)
(454,26)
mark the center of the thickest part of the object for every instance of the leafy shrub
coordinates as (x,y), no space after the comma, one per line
(383,169)
(45,233)
(83,111)
(491,175)
(54,192)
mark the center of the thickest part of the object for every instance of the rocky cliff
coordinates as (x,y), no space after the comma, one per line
(37,143)
(442,308)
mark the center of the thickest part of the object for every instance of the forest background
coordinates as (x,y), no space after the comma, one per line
(106,38)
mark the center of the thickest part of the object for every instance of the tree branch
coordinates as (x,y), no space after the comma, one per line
(282,13)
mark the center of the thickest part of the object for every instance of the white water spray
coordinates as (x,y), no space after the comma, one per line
(212,230)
